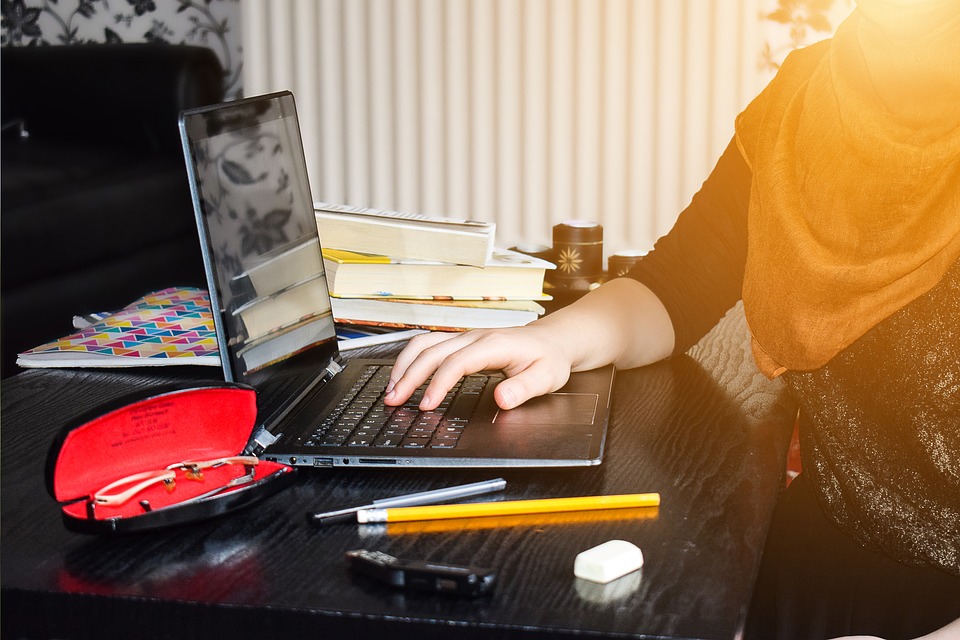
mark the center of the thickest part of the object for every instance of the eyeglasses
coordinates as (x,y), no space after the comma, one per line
(123,490)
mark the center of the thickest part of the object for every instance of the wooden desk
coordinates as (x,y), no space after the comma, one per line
(706,431)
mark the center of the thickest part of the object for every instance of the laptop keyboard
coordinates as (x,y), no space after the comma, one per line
(361,419)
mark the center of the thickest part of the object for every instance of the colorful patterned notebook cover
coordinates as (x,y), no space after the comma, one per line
(171,326)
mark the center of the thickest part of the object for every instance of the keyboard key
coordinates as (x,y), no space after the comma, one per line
(388,441)
(360,419)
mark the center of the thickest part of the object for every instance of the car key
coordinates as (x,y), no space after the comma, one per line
(429,576)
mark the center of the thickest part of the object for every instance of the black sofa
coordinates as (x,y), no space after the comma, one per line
(95,207)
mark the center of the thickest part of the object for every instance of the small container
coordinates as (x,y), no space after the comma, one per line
(578,254)
(622,261)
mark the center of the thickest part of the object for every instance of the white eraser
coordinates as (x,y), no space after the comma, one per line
(608,561)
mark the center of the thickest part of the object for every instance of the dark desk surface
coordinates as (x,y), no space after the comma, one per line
(705,430)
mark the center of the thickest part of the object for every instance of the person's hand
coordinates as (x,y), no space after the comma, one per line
(621,323)
(530,357)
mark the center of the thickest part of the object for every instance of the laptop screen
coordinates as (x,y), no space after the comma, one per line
(261,249)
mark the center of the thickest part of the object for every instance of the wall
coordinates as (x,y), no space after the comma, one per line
(525,112)
(209,23)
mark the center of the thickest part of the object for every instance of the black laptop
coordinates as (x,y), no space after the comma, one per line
(271,307)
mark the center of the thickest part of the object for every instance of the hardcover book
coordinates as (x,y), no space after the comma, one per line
(437,315)
(405,235)
(507,274)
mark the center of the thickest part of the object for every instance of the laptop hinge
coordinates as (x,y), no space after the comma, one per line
(263,438)
(259,442)
(334,368)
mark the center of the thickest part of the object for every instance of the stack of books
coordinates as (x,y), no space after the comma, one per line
(392,269)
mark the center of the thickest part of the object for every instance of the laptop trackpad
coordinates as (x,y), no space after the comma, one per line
(552,409)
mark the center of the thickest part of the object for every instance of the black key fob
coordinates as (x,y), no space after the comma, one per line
(428,576)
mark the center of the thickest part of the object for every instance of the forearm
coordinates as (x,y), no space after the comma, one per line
(621,323)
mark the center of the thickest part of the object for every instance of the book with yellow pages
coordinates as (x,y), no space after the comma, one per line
(507,275)
(406,235)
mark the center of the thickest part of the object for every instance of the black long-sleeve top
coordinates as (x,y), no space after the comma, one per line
(880,422)
(697,269)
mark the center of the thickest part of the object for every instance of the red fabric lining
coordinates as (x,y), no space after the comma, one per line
(194,424)
(159,497)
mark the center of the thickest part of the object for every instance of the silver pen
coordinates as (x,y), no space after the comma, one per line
(424,497)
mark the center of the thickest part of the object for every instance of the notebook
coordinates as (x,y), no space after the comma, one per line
(273,320)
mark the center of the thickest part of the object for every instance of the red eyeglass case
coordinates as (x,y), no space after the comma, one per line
(145,434)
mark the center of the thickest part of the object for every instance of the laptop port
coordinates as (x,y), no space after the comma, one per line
(323,462)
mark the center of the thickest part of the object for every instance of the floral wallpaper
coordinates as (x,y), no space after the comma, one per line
(790,24)
(214,24)
(787,24)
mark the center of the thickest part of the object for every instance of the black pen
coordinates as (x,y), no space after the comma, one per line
(413,499)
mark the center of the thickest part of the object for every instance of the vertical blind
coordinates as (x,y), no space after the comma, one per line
(522,112)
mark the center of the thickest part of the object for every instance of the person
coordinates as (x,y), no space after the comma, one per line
(834,214)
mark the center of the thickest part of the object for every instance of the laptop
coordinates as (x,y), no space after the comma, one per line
(272,313)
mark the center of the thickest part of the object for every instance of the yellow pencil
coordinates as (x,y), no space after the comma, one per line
(507,508)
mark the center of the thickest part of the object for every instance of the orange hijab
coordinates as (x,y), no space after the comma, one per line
(855,201)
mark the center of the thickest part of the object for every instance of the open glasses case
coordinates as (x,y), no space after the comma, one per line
(162,457)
